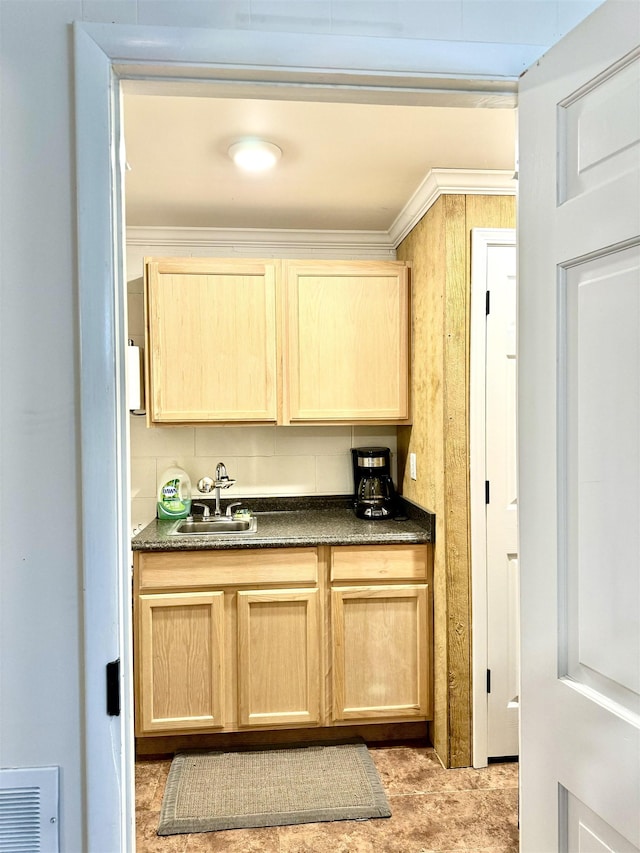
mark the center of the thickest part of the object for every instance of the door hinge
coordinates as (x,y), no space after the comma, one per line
(486,491)
(488,302)
(488,681)
(113,688)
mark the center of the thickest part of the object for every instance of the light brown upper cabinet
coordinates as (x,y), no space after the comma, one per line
(211,340)
(347,341)
(268,341)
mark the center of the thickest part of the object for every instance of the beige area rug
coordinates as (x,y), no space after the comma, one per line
(209,791)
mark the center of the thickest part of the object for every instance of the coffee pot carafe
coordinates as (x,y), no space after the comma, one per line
(374,493)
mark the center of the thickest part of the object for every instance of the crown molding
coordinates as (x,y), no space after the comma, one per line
(449,182)
(276,242)
(259,242)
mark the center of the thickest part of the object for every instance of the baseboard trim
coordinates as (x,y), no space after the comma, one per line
(167,745)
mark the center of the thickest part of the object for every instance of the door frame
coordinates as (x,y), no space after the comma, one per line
(482,239)
(339,68)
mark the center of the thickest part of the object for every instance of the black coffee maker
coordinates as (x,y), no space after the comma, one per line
(374,495)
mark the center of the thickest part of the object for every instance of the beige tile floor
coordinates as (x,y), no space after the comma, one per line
(433,811)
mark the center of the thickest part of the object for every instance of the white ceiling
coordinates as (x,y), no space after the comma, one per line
(344,166)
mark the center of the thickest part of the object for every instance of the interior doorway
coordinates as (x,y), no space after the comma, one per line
(105,57)
(494,502)
(247,241)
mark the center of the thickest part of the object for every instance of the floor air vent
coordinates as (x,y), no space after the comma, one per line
(29,810)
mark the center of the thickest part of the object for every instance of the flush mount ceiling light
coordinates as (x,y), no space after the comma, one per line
(254,155)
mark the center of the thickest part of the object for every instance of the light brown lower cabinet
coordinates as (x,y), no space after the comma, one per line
(380,655)
(181,655)
(278,657)
(281,638)
(229,658)
(381,632)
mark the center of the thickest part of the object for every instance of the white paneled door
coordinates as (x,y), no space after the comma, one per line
(503,627)
(579,438)
(493,495)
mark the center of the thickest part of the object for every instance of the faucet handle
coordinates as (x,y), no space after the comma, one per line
(230,507)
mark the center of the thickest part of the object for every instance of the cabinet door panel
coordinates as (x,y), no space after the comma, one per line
(348,341)
(211,345)
(380,654)
(180,661)
(278,657)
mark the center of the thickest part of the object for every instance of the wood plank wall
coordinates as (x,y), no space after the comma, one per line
(439,248)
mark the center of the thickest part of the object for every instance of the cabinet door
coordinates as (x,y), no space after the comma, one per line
(179,662)
(211,340)
(278,657)
(380,653)
(347,356)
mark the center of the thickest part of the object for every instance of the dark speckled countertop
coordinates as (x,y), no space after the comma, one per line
(298,523)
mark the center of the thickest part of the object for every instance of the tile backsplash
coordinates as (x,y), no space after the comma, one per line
(263,460)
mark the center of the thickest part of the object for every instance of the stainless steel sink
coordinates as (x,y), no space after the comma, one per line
(214,526)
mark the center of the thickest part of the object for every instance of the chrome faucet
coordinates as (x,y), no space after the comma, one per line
(222,481)
(221,474)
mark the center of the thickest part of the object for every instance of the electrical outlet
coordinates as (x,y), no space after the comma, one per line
(413,467)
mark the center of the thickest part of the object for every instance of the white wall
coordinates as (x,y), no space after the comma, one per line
(540,22)
(40,618)
(41,572)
